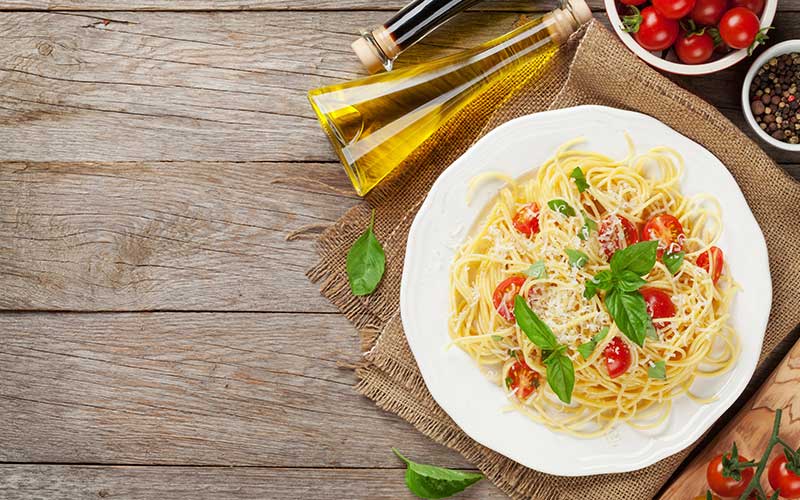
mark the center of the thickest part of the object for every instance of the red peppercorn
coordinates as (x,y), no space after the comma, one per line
(791,98)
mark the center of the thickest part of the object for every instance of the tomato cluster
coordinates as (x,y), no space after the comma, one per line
(695,29)
(729,477)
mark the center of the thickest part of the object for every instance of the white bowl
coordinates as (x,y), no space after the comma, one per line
(654,59)
(476,404)
(775,50)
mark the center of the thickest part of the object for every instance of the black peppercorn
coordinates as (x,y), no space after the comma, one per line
(774,99)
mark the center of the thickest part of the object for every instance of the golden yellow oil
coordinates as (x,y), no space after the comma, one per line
(376,122)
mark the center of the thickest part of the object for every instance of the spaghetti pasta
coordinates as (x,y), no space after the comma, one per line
(520,248)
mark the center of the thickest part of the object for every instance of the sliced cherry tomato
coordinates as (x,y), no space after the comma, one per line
(524,379)
(526,220)
(659,305)
(739,27)
(712,260)
(757,6)
(616,232)
(782,478)
(504,295)
(667,230)
(618,357)
(694,48)
(727,486)
(709,12)
(656,32)
(673,9)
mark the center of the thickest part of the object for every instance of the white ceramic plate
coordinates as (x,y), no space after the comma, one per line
(441,225)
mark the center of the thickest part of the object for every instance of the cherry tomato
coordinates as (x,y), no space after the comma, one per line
(739,27)
(504,295)
(526,220)
(757,6)
(708,12)
(784,479)
(726,486)
(618,357)
(659,305)
(714,257)
(523,379)
(632,2)
(616,232)
(656,31)
(694,49)
(673,9)
(667,230)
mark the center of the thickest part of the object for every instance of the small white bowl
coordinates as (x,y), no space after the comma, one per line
(653,59)
(774,51)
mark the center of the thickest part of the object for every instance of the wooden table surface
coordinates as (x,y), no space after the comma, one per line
(158,337)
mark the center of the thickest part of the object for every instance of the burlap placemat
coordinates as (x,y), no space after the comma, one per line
(593,68)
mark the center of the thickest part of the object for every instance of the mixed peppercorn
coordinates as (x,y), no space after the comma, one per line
(774,98)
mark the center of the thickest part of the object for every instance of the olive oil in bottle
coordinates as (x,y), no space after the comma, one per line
(376,122)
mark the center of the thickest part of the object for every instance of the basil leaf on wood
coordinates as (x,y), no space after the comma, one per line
(629,311)
(629,281)
(658,370)
(560,375)
(366,262)
(429,481)
(639,258)
(586,349)
(588,226)
(601,281)
(673,261)
(537,270)
(580,179)
(533,327)
(561,207)
(576,258)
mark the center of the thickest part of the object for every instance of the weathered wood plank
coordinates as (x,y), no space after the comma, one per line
(265,5)
(206,86)
(54,482)
(192,389)
(164,236)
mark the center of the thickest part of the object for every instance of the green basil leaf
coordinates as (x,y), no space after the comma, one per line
(588,226)
(560,375)
(629,281)
(639,258)
(537,270)
(366,262)
(587,348)
(536,330)
(580,179)
(629,311)
(658,370)
(561,207)
(429,481)
(576,258)
(497,337)
(651,331)
(673,261)
(601,281)
(509,381)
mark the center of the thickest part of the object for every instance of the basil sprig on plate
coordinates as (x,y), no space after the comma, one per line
(580,179)
(587,348)
(624,302)
(537,270)
(673,261)
(560,371)
(658,370)
(562,207)
(588,226)
(366,262)
(430,481)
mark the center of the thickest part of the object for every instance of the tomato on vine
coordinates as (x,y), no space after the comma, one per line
(784,475)
(729,475)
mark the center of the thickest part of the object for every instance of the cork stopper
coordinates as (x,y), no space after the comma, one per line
(567,20)
(376,49)
(366,53)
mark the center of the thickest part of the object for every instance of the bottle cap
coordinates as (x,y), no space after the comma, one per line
(580,11)
(366,53)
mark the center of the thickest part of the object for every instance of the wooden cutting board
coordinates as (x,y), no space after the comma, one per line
(750,428)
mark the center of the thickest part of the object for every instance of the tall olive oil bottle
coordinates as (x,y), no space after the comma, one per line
(376,122)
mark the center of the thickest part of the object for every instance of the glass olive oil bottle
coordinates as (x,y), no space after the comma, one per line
(376,122)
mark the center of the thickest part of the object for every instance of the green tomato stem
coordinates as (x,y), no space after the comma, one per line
(755,483)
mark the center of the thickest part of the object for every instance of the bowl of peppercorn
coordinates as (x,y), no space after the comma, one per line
(771,95)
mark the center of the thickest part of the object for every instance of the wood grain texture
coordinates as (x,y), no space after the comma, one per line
(49,482)
(263,5)
(198,389)
(164,236)
(751,428)
(209,86)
